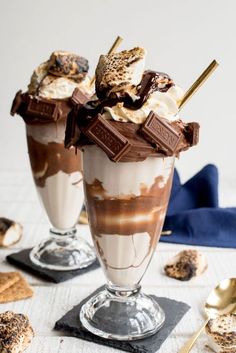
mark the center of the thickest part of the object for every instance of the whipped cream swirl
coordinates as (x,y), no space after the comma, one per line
(165,104)
(47,85)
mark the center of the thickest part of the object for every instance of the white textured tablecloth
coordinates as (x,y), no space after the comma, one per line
(18,201)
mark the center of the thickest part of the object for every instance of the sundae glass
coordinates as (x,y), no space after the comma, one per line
(130,137)
(57,172)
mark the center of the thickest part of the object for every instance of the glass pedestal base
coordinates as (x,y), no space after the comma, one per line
(63,251)
(122,314)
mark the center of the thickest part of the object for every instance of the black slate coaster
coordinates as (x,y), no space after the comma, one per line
(21,259)
(174,310)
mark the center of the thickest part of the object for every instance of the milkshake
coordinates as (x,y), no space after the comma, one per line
(54,87)
(130,137)
(57,173)
(126,205)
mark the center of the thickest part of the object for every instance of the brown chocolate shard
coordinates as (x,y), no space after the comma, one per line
(16,103)
(78,97)
(151,81)
(160,132)
(108,138)
(193,132)
(72,133)
(43,108)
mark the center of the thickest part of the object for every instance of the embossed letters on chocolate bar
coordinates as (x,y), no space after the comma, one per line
(160,132)
(42,108)
(111,141)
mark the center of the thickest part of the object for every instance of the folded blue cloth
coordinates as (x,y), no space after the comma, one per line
(194,216)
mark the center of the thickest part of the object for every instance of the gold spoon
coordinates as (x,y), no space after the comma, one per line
(221,300)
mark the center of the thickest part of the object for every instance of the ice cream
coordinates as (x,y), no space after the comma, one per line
(130,137)
(126,203)
(44,108)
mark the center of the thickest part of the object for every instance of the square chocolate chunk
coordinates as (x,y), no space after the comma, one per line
(43,108)
(156,130)
(106,136)
(193,128)
(78,97)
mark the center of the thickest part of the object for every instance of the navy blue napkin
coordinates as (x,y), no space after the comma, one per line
(194,216)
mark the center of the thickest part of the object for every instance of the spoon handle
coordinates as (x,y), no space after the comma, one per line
(189,344)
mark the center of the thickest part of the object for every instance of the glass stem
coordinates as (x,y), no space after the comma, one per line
(122,292)
(62,235)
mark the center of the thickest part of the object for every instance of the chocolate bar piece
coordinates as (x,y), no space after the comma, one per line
(140,147)
(43,108)
(78,97)
(158,131)
(72,132)
(106,136)
(16,103)
(193,129)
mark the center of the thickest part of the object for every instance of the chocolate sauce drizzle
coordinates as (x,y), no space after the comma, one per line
(80,117)
(151,81)
(83,117)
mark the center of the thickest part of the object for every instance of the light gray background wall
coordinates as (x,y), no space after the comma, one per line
(181,36)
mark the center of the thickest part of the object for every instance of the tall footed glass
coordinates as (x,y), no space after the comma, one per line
(58,180)
(126,204)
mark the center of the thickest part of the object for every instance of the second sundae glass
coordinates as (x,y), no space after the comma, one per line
(126,204)
(57,172)
(58,179)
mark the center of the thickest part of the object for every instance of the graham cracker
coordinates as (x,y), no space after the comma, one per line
(19,290)
(7,279)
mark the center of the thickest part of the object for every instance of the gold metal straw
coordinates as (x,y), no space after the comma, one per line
(115,45)
(201,79)
(113,48)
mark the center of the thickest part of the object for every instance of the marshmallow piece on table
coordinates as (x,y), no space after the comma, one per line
(10,232)
(16,332)
(221,332)
(186,264)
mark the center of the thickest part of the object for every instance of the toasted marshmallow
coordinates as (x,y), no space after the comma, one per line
(10,232)
(65,64)
(119,73)
(16,332)
(59,76)
(221,332)
(186,264)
